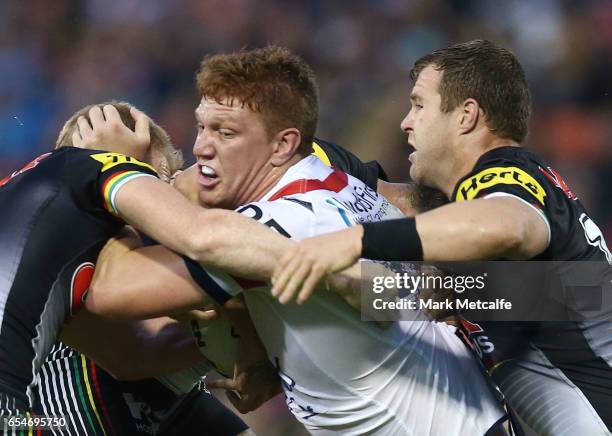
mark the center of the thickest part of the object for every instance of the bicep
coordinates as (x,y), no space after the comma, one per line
(535,233)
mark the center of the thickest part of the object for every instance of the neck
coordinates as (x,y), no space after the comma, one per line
(270,179)
(467,156)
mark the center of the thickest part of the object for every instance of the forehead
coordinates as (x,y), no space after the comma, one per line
(428,82)
(225,108)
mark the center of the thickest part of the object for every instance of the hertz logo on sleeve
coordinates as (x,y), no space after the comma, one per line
(110,160)
(471,187)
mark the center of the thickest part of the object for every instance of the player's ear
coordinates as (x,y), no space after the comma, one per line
(286,143)
(468,116)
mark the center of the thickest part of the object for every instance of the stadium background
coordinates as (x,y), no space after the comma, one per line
(58,56)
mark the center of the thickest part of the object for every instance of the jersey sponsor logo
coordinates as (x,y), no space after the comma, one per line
(79,285)
(111,160)
(559,182)
(29,166)
(490,177)
(320,153)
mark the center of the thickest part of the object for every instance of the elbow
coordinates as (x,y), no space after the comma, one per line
(103,302)
(513,241)
(502,239)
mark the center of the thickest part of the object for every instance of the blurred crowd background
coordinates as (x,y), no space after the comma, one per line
(58,56)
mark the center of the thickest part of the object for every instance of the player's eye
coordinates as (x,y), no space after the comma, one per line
(226,133)
(199,127)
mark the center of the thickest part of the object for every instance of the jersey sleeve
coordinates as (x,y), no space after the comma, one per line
(95,177)
(338,157)
(502,177)
(507,177)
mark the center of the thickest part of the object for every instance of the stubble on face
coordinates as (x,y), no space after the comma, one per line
(429,127)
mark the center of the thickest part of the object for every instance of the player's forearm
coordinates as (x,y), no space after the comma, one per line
(221,238)
(347,284)
(168,347)
(141,283)
(399,194)
(243,247)
(411,198)
(476,230)
(139,349)
(159,211)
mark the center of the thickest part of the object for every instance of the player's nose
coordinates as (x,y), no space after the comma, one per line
(407,124)
(203,146)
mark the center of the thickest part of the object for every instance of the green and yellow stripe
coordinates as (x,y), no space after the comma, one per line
(112,185)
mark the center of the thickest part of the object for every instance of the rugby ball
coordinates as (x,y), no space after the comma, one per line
(218,342)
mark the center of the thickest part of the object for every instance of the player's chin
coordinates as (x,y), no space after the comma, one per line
(415,172)
(217,199)
(210,198)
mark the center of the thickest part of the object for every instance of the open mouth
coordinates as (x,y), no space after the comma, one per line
(412,152)
(208,176)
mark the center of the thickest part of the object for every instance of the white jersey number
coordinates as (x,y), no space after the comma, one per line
(594,236)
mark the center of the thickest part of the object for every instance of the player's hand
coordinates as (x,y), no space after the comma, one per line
(347,284)
(307,262)
(107,132)
(252,387)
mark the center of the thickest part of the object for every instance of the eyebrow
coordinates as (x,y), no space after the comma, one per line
(415,97)
(219,118)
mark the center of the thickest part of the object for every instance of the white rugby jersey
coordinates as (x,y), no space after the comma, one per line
(345,376)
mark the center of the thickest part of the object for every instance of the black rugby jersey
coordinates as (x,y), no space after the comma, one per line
(575,353)
(339,157)
(57,213)
(517,171)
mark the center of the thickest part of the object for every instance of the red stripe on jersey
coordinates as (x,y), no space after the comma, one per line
(29,166)
(335,182)
(106,201)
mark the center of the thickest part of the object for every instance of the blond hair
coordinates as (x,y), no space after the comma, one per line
(161,144)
